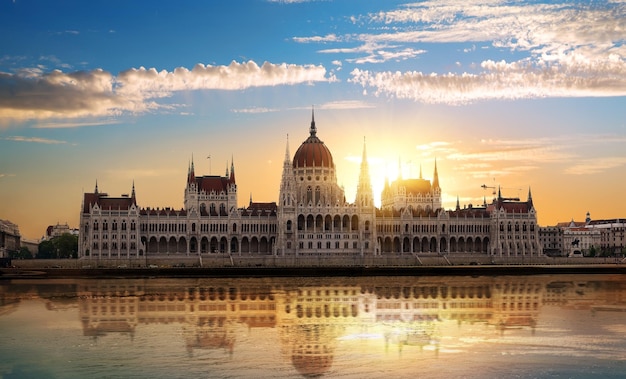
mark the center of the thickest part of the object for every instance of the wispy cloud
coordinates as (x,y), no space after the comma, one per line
(64,125)
(562,49)
(326,38)
(502,81)
(33,94)
(254,110)
(346,104)
(596,165)
(35,140)
(499,157)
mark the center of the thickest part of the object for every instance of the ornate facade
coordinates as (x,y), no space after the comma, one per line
(311,219)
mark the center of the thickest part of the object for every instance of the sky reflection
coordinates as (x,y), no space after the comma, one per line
(541,326)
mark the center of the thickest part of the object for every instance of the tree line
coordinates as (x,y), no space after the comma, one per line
(60,247)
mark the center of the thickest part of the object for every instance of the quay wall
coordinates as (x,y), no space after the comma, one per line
(320,261)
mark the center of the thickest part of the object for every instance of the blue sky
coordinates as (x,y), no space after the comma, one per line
(514,94)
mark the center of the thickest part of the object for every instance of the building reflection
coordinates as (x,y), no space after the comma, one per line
(312,317)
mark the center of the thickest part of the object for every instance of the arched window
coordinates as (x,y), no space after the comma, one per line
(309,195)
(318,194)
(288,225)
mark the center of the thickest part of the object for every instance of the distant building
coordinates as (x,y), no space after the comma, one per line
(551,238)
(9,238)
(58,230)
(579,237)
(311,218)
(612,239)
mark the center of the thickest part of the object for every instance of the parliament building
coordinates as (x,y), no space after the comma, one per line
(310,219)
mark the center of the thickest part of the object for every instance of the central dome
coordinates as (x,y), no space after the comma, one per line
(313,152)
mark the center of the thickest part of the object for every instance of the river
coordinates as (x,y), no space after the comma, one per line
(542,326)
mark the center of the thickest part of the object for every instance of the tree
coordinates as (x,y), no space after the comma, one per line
(66,246)
(46,250)
(61,247)
(22,253)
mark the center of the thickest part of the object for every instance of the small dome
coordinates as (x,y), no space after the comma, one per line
(313,152)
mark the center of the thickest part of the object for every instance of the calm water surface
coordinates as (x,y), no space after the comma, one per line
(557,326)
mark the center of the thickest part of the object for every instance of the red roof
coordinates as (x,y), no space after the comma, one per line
(107,203)
(213,183)
(414,186)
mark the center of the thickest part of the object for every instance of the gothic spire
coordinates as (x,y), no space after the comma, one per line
(530,197)
(364,194)
(232,169)
(96,189)
(191,176)
(132,193)
(287,155)
(436,177)
(458,205)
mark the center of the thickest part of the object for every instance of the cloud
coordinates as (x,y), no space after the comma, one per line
(33,94)
(78,124)
(561,49)
(346,104)
(30,94)
(326,38)
(502,81)
(255,110)
(596,165)
(34,139)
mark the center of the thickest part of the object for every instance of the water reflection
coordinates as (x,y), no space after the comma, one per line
(341,326)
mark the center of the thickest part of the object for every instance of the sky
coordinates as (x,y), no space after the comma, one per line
(516,95)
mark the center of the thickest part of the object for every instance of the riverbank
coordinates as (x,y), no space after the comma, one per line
(194,272)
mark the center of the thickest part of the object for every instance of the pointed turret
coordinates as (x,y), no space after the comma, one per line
(436,177)
(232,169)
(191,177)
(287,155)
(458,205)
(530,198)
(287,183)
(96,189)
(132,194)
(364,193)
(420,171)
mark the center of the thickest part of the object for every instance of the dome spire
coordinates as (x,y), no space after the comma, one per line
(313,129)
